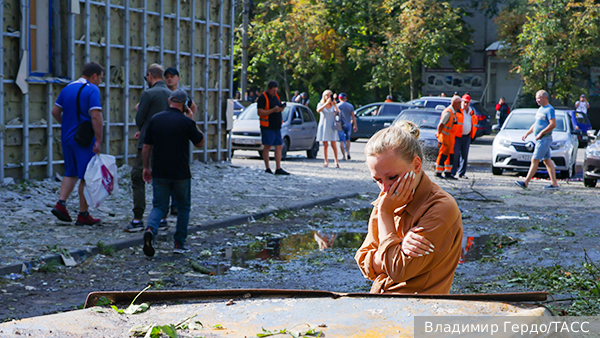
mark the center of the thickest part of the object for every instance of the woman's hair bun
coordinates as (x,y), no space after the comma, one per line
(409,127)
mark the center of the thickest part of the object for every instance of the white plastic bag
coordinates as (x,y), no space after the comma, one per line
(100,179)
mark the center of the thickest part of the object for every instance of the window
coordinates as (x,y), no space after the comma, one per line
(308,116)
(39,36)
(391,110)
(368,111)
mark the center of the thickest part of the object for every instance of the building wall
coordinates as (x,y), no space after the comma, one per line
(196,37)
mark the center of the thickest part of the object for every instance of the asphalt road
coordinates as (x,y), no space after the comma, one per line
(480,153)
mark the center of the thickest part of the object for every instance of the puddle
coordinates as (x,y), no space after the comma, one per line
(476,247)
(292,247)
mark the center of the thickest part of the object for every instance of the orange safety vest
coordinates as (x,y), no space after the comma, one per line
(449,128)
(460,122)
(264,120)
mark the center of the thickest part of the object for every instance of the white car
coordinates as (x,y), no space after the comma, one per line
(510,152)
(298,131)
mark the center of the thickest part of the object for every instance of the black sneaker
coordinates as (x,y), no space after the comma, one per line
(439,175)
(180,249)
(464,177)
(174,211)
(349,157)
(134,227)
(268,171)
(281,172)
(449,177)
(163,225)
(521,184)
(148,239)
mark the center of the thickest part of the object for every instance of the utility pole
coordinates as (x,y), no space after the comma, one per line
(246,13)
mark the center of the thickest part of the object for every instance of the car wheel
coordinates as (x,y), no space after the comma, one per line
(353,139)
(284,150)
(588,182)
(232,152)
(312,152)
(260,152)
(497,171)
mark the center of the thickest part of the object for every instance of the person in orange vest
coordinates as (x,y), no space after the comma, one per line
(269,114)
(466,122)
(389,98)
(445,135)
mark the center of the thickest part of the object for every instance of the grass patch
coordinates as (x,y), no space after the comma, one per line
(105,249)
(362,214)
(50,266)
(283,214)
(579,282)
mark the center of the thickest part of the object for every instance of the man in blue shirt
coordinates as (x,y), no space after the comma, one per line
(545,121)
(76,156)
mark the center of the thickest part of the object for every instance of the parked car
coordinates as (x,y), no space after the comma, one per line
(580,121)
(484,125)
(237,109)
(591,160)
(298,130)
(427,120)
(510,152)
(376,116)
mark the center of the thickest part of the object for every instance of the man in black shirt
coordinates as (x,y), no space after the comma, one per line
(269,114)
(167,136)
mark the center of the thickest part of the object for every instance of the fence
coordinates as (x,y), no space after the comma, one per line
(46,43)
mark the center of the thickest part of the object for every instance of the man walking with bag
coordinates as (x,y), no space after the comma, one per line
(79,112)
(168,135)
(153,101)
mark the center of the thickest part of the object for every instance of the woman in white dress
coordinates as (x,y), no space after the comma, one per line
(326,131)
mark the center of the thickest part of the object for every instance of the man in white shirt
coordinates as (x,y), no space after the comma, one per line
(462,141)
(582,105)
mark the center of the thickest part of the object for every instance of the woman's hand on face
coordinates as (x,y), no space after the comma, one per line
(399,193)
(415,245)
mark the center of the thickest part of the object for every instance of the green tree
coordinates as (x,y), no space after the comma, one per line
(421,33)
(555,43)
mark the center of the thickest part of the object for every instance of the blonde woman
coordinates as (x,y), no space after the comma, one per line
(326,132)
(414,239)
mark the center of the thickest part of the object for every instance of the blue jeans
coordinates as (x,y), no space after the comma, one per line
(181,190)
(461,154)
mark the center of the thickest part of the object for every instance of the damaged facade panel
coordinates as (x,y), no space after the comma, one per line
(46,43)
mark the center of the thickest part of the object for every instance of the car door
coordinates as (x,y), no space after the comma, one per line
(295,131)
(366,120)
(309,128)
(387,115)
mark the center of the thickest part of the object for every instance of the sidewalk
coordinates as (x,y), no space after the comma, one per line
(222,195)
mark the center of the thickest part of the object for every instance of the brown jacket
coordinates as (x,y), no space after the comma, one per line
(437,212)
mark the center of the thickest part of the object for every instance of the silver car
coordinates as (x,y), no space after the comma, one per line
(298,130)
(427,120)
(510,152)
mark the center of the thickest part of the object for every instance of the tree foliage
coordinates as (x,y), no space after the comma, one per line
(551,42)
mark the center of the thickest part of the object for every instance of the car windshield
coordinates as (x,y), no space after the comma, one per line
(423,120)
(237,105)
(251,113)
(582,118)
(524,122)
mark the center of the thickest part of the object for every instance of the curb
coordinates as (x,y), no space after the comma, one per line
(82,253)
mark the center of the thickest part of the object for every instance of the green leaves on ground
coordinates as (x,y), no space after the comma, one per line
(154,331)
(310,332)
(133,309)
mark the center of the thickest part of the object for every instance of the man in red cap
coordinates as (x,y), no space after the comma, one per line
(465,132)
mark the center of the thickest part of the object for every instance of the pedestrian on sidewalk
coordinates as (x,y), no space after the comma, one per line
(446,131)
(582,105)
(269,113)
(502,111)
(77,105)
(172,79)
(326,132)
(465,132)
(153,101)
(545,121)
(348,124)
(167,136)
(414,240)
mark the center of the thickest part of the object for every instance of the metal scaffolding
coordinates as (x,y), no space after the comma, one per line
(124,38)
